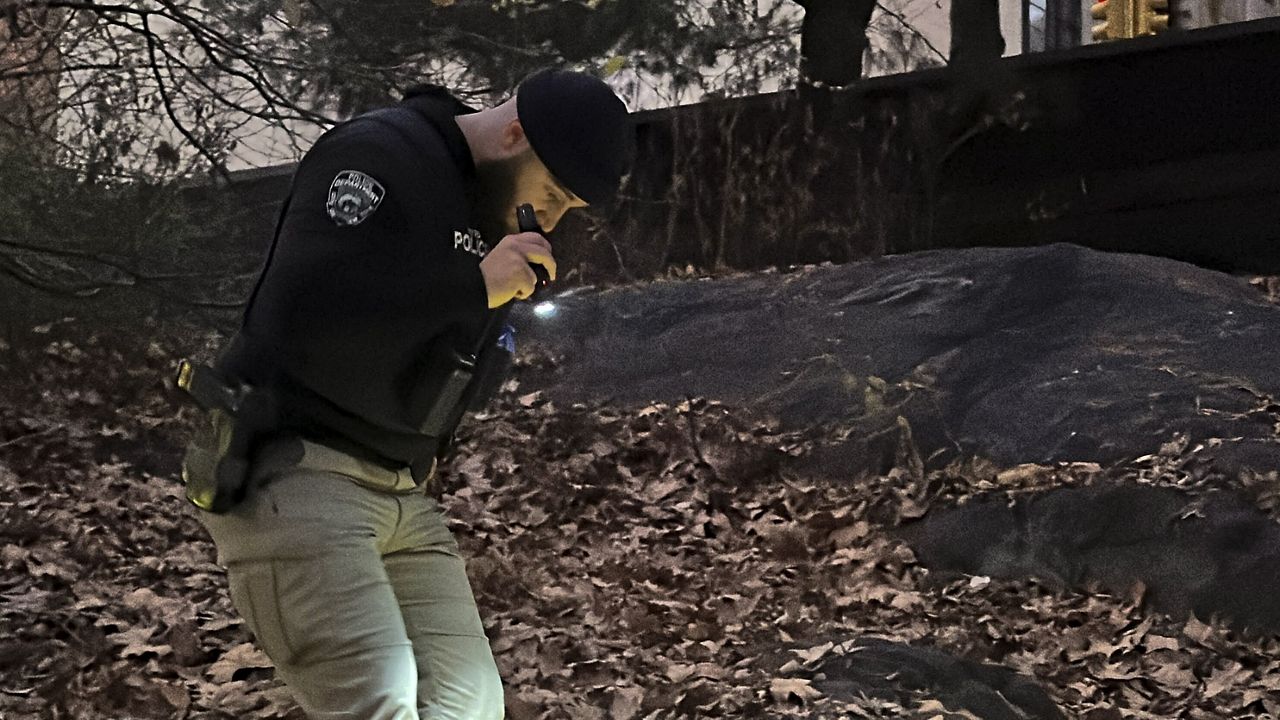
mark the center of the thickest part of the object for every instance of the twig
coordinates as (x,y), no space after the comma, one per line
(899,17)
(218,166)
(693,438)
(28,436)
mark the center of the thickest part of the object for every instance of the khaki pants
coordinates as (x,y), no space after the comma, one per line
(354,587)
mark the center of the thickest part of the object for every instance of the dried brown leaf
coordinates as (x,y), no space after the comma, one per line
(785,690)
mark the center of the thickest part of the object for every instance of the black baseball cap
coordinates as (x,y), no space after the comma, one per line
(578,128)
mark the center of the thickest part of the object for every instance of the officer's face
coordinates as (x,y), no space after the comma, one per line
(512,176)
(535,185)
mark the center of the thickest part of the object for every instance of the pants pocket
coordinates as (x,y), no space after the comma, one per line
(254,590)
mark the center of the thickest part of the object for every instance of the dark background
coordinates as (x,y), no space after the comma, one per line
(1164,145)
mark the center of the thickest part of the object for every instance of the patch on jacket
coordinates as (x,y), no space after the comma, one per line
(353,196)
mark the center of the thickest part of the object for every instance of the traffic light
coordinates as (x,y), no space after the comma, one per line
(1129,18)
(1153,16)
(1111,13)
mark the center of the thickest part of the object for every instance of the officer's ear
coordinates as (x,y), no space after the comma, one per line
(514,141)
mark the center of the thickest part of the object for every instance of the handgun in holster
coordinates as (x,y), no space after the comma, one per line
(215,469)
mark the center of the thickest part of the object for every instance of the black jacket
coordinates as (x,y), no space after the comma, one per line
(376,259)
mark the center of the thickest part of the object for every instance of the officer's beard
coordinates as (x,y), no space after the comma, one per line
(495,204)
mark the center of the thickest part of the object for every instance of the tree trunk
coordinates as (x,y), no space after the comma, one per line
(975,32)
(833,39)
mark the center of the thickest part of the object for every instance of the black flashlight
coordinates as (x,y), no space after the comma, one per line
(527,220)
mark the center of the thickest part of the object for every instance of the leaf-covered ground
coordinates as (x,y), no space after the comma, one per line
(658,563)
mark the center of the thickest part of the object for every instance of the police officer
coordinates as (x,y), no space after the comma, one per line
(397,244)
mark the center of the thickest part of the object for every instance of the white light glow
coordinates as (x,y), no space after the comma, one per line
(545,309)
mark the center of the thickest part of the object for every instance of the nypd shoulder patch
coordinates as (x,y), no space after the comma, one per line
(353,196)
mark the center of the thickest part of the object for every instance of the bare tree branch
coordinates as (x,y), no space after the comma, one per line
(912,28)
(16,267)
(218,166)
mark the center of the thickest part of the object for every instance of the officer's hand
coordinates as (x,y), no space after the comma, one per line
(506,268)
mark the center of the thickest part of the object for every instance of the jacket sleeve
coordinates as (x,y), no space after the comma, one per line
(365,224)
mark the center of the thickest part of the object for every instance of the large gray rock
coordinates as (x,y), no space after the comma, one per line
(1211,554)
(1056,353)
(1023,355)
(881,668)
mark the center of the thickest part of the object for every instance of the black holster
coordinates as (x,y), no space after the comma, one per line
(215,469)
(456,381)
(436,403)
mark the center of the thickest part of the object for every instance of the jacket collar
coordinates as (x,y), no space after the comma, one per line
(440,107)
